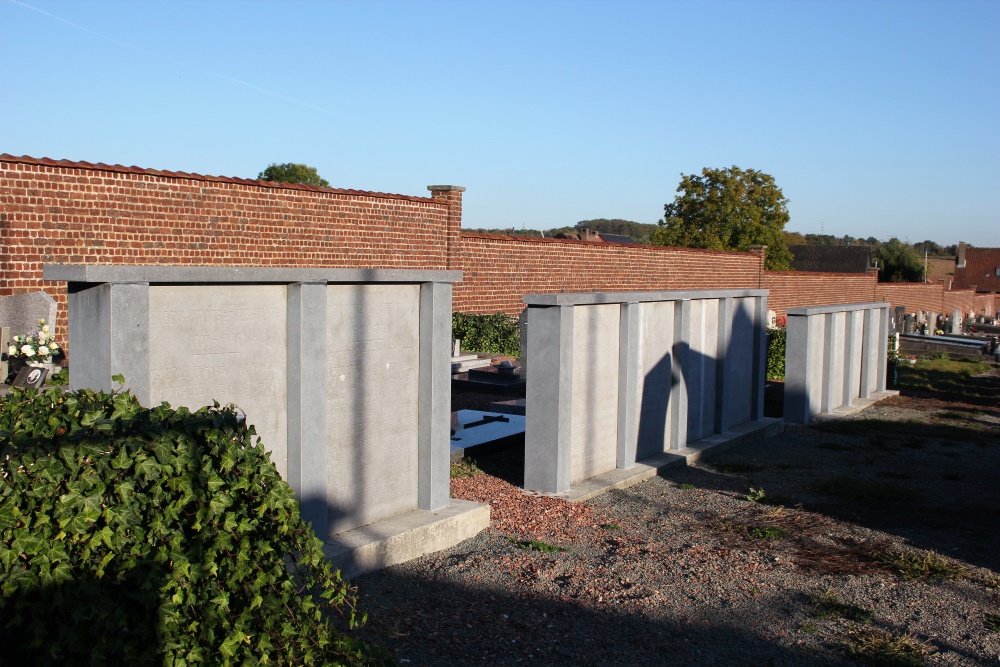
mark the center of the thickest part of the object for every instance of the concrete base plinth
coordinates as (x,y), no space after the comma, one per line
(621,478)
(857,405)
(405,537)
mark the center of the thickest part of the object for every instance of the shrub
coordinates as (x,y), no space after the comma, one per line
(489,334)
(137,536)
(776,353)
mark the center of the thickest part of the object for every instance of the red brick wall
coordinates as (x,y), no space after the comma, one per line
(986,304)
(499,270)
(794,289)
(61,212)
(928,297)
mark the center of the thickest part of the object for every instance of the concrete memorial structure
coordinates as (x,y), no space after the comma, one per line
(835,359)
(647,377)
(343,372)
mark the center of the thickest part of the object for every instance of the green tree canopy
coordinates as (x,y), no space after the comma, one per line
(898,262)
(727,209)
(291,172)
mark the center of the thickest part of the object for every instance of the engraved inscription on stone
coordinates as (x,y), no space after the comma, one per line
(224,343)
(595,390)
(372,383)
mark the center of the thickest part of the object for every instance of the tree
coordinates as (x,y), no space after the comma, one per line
(727,209)
(898,262)
(291,172)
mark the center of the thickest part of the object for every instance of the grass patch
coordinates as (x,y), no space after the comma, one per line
(882,648)
(867,491)
(464,468)
(828,604)
(768,533)
(922,565)
(993,622)
(737,468)
(611,526)
(686,487)
(755,495)
(538,545)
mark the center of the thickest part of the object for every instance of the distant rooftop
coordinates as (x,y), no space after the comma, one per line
(981,270)
(831,258)
(616,238)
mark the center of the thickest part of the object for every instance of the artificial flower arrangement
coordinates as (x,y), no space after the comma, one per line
(40,346)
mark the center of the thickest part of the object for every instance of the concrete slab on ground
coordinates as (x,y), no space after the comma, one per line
(405,537)
(622,478)
(857,405)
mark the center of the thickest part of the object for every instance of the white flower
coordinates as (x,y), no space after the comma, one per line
(45,328)
(27,351)
(43,351)
(17,339)
(53,345)
(11,351)
(42,336)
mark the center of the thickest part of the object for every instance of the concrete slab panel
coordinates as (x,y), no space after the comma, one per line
(595,390)
(372,402)
(224,343)
(656,365)
(739,363)
(700,368)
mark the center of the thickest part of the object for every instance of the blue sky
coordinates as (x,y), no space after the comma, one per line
(875,118)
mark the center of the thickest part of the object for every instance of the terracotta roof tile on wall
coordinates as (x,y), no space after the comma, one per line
(831,258)
(981,270)
(121,169)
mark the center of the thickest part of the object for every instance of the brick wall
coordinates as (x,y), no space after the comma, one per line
(986,304)
(499,270)
(70,212)
(794,289)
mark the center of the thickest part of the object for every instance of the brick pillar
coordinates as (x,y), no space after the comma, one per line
(761,251)
(452,196)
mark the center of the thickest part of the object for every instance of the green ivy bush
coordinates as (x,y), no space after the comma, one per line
(776,353)
(488,334)
(135,536)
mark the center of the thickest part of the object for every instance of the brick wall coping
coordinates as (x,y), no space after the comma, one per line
(793,274)
(537,239)
(837,308)
(103,273)
(121,169)
(592,298)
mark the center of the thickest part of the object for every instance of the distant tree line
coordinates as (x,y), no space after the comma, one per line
(637,231)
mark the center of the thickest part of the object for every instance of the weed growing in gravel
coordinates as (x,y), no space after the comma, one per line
(882,648)
(862,490)
(464,468)
(993,622)
(611,526)
(686,487)
(923,565)
(737,468)
(949,414)
(828,604)
(755,495)
(537,545)
(990,581)
(809,628)
(768,533)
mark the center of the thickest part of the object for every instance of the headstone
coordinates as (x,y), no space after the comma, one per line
(921,318)
(932,322)
(456,347)
(956,322)
(30,377)
(21,312)
(4,341)
(772,319)
(900,313)
(910,324)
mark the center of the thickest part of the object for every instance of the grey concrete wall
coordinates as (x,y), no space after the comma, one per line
(620,377)
(344,373)
(834,355)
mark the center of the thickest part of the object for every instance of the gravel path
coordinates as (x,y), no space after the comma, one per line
(782,552)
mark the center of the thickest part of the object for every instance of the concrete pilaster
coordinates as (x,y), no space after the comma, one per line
(678,408)
(759,370)
(629,356)
(307,401)
(549,421)
(109,335)
(723,365)
(852,357)
(434,403)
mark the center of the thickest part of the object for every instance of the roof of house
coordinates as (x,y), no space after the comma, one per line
(941,270)
(831,258)
(616,238)
(121,169)
(981,270)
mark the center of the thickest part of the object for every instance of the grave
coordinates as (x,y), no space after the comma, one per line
(21,312)
(343,372)
(910,324)
(474,431)
(900,319)
(956,322)
(624,384)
